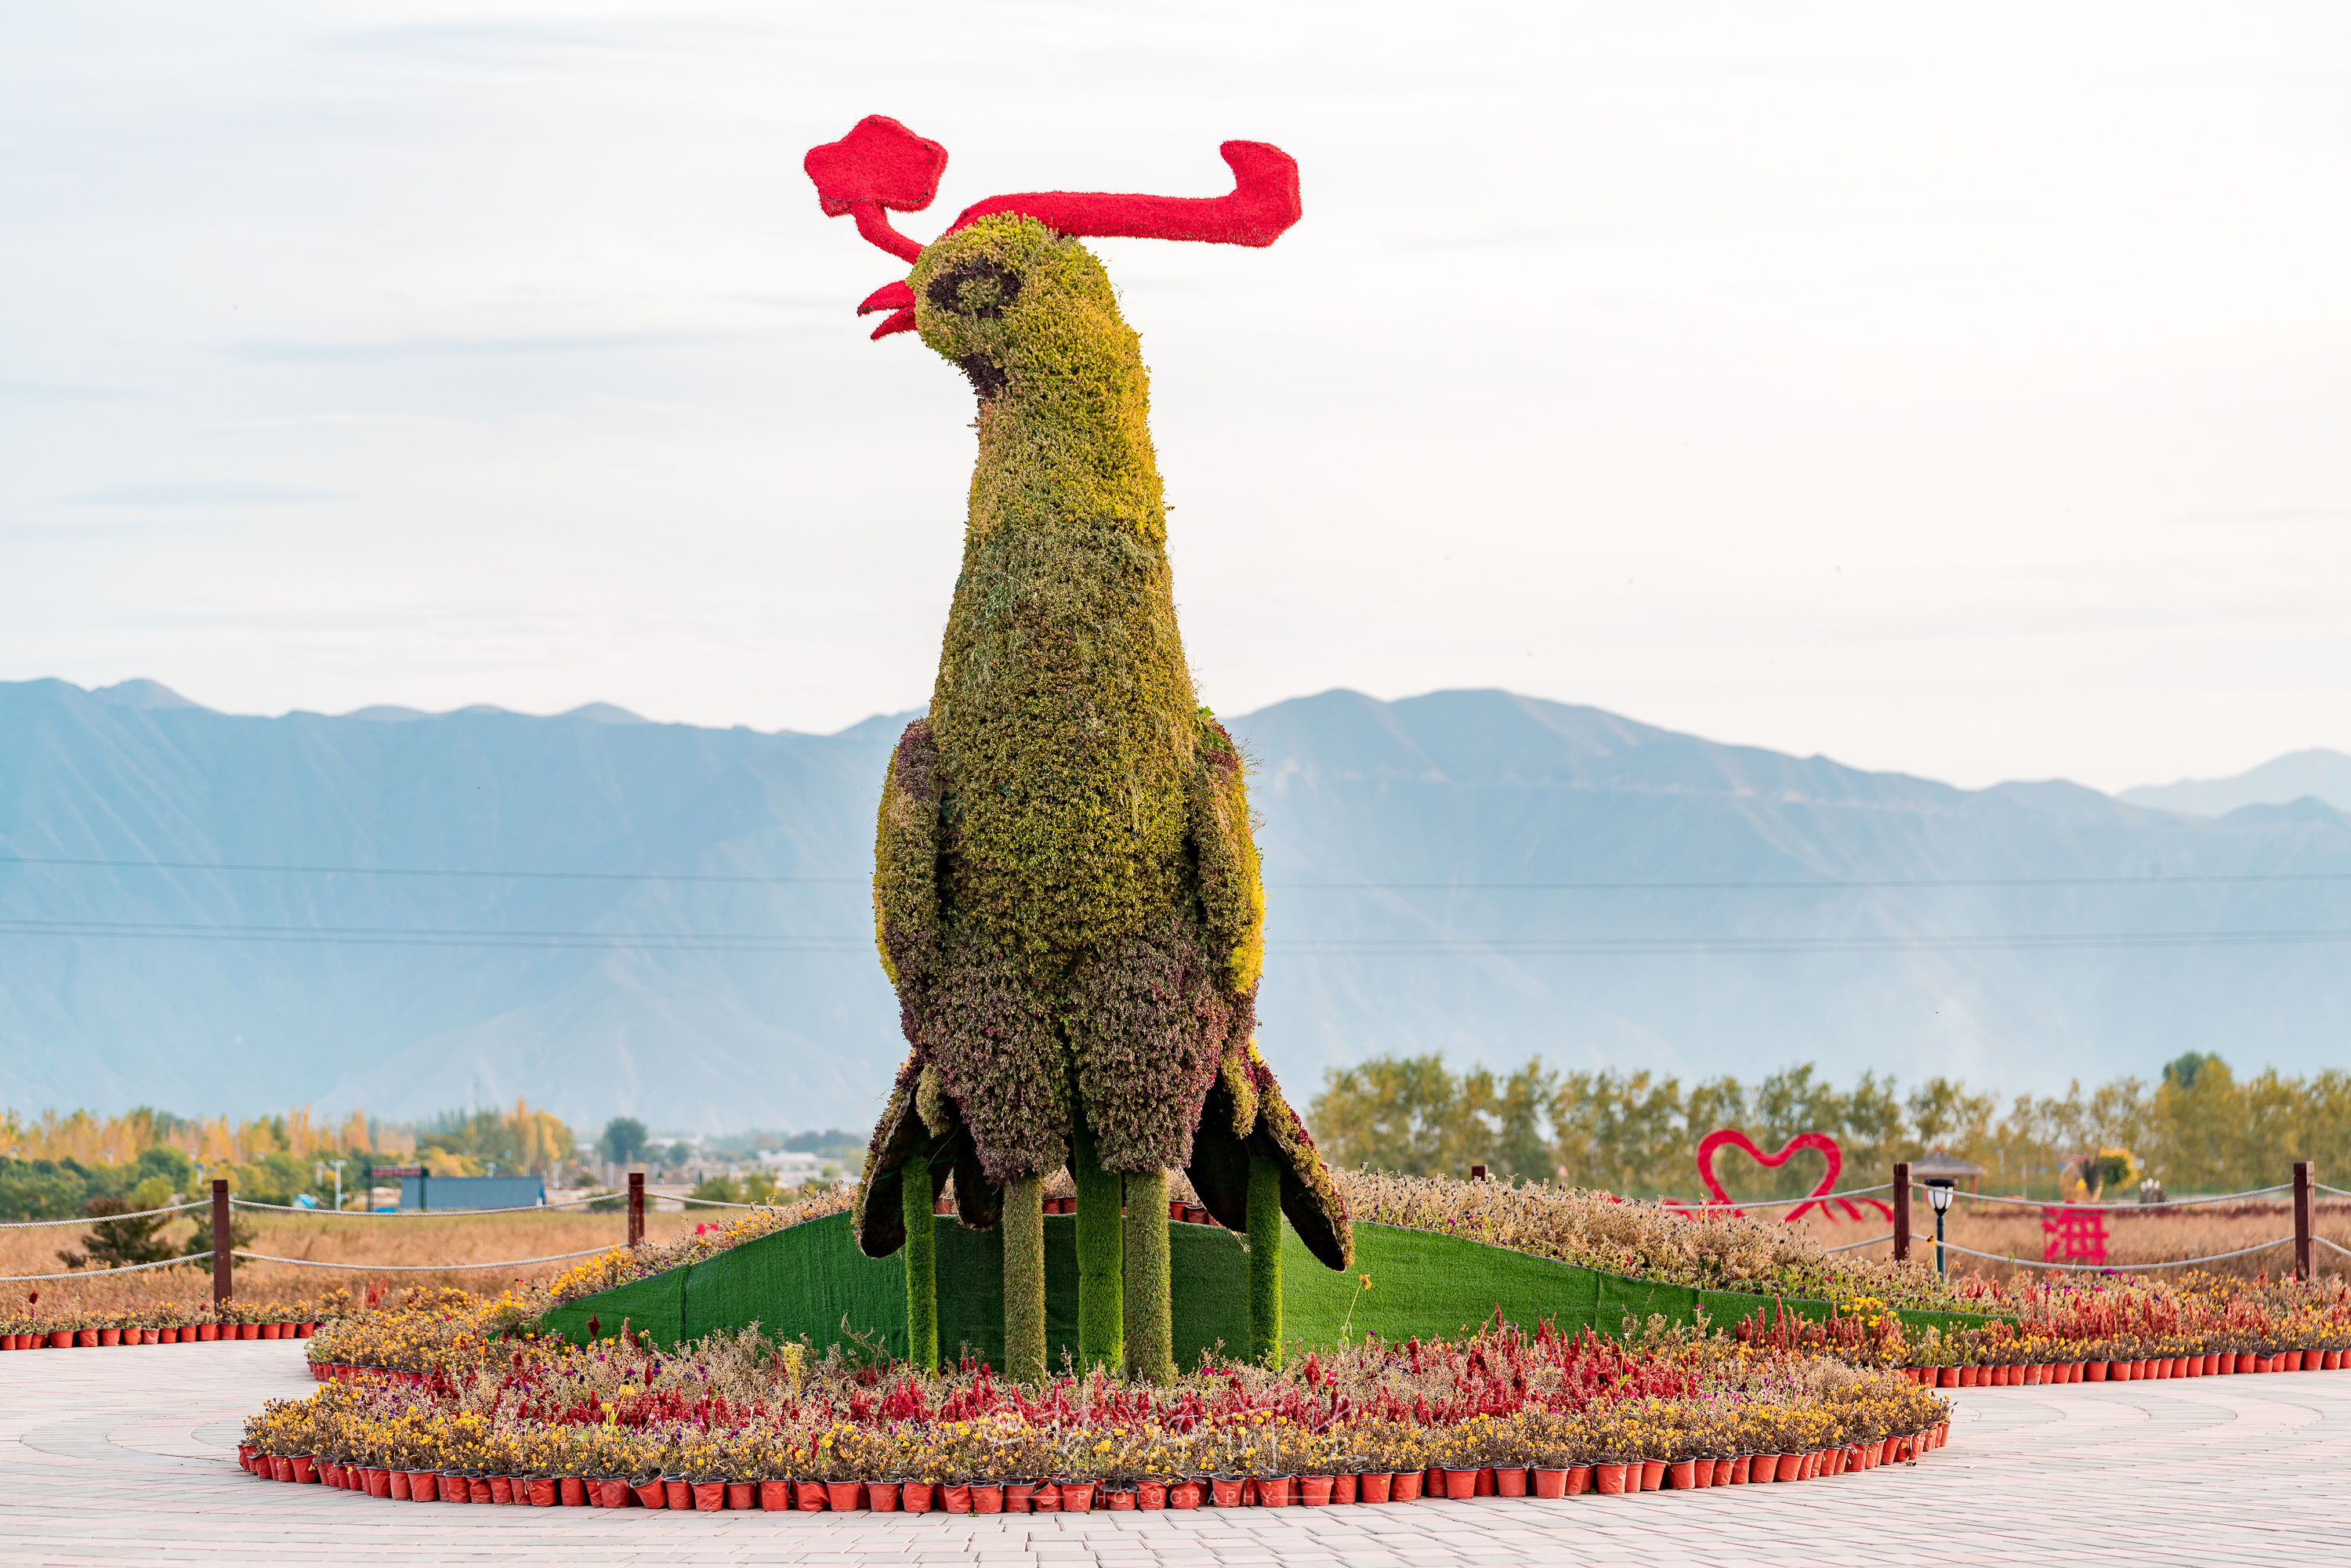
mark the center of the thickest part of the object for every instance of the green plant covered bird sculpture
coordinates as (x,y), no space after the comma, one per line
(1066,891)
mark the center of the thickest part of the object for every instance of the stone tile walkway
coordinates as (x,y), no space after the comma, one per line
(128,1457)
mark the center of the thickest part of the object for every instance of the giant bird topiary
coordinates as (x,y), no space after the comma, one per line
(1065,888)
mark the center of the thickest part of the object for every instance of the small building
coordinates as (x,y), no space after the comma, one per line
(430,1193)
(1943,1167)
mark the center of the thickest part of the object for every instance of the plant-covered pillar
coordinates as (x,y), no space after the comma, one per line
(1102,1322)
(1150,1337)
(1265,1260)
(917,1201)
(1024,1280)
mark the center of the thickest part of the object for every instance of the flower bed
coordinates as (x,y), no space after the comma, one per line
(736,1420)
(2109,1329)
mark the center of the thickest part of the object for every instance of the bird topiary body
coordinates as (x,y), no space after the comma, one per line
(1066,889)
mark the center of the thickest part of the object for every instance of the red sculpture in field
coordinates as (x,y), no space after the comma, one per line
(1830,1154)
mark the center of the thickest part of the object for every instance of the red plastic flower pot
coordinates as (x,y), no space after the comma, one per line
(956,1498)
(610,1492)
(649,1494)
(1276,1491)
(739,1494)
(477,1489)
(1314,1491)
(2098,1371)
(1342,1489)
(395,1485)
(1119,1500)
(709,1496)
(846,1496)
(1078,1497)
(809,1497)
(676,1494)
(454,1489)
(1681,1475)
(1176,1208)
(1609,1480)
(502,1488)
(571,1491)
(1947,1377)
(1225,1489)
(2331,1362)
(306,1470)
(776,1496)
(1652,1475)
(1738,1476)
(1460,1485)
(1376,1488)
(914,1497)
(1783,1467)
(423,1486)
(1548,1484)
(990,1499)
(1020,1495)
(1579,1480)
(376,1482)
(540,1492)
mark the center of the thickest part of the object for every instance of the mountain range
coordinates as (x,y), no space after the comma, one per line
(410,911)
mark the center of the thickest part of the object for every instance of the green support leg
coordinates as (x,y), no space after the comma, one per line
(1024,1280)
(1265,1260)
(1102,1318)
(1150,1340)
(922,1267)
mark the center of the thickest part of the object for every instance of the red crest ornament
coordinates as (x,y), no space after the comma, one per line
(881,164)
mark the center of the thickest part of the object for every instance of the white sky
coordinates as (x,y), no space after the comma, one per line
(1958,389)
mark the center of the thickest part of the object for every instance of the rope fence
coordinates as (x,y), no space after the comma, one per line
(421,1268)
(2122,1208)
(99,1218)
(118,1268)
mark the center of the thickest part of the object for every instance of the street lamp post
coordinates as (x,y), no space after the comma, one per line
(1939,1193)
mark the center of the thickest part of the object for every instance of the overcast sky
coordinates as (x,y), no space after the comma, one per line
(1965,390)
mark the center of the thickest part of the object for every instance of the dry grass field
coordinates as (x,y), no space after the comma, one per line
(434,1239)
(2136,1236)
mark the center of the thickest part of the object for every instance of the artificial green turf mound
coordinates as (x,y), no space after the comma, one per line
(812,1280)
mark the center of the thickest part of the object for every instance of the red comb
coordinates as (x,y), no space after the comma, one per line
(1264,202)
(881,164)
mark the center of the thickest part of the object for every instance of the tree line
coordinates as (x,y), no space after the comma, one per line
(2197,1127)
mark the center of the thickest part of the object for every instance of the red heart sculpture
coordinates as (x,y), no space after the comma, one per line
(1827,1145)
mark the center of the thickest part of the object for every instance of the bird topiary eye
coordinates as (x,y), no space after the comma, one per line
(983,290)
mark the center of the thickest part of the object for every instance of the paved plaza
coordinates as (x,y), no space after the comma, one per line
(127,1456)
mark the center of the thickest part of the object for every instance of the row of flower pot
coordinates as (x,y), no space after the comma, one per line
(185,1333)
(2219,1363)
(1083,1497)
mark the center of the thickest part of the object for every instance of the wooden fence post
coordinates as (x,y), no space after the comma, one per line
(1902,1211)
(636,1208)
(2301,1179)
(222,1241)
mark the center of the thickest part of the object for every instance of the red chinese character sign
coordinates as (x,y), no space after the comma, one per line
(1833,1160)
(2077,1232)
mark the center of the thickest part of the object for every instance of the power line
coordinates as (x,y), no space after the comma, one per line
(1499,946)
(1720,886)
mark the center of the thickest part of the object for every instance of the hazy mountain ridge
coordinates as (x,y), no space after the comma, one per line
(643,1011)
(2316,774)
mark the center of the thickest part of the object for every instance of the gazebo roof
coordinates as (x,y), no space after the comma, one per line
(1943,1165)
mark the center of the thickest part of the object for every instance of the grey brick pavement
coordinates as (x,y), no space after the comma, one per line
(126,1456)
